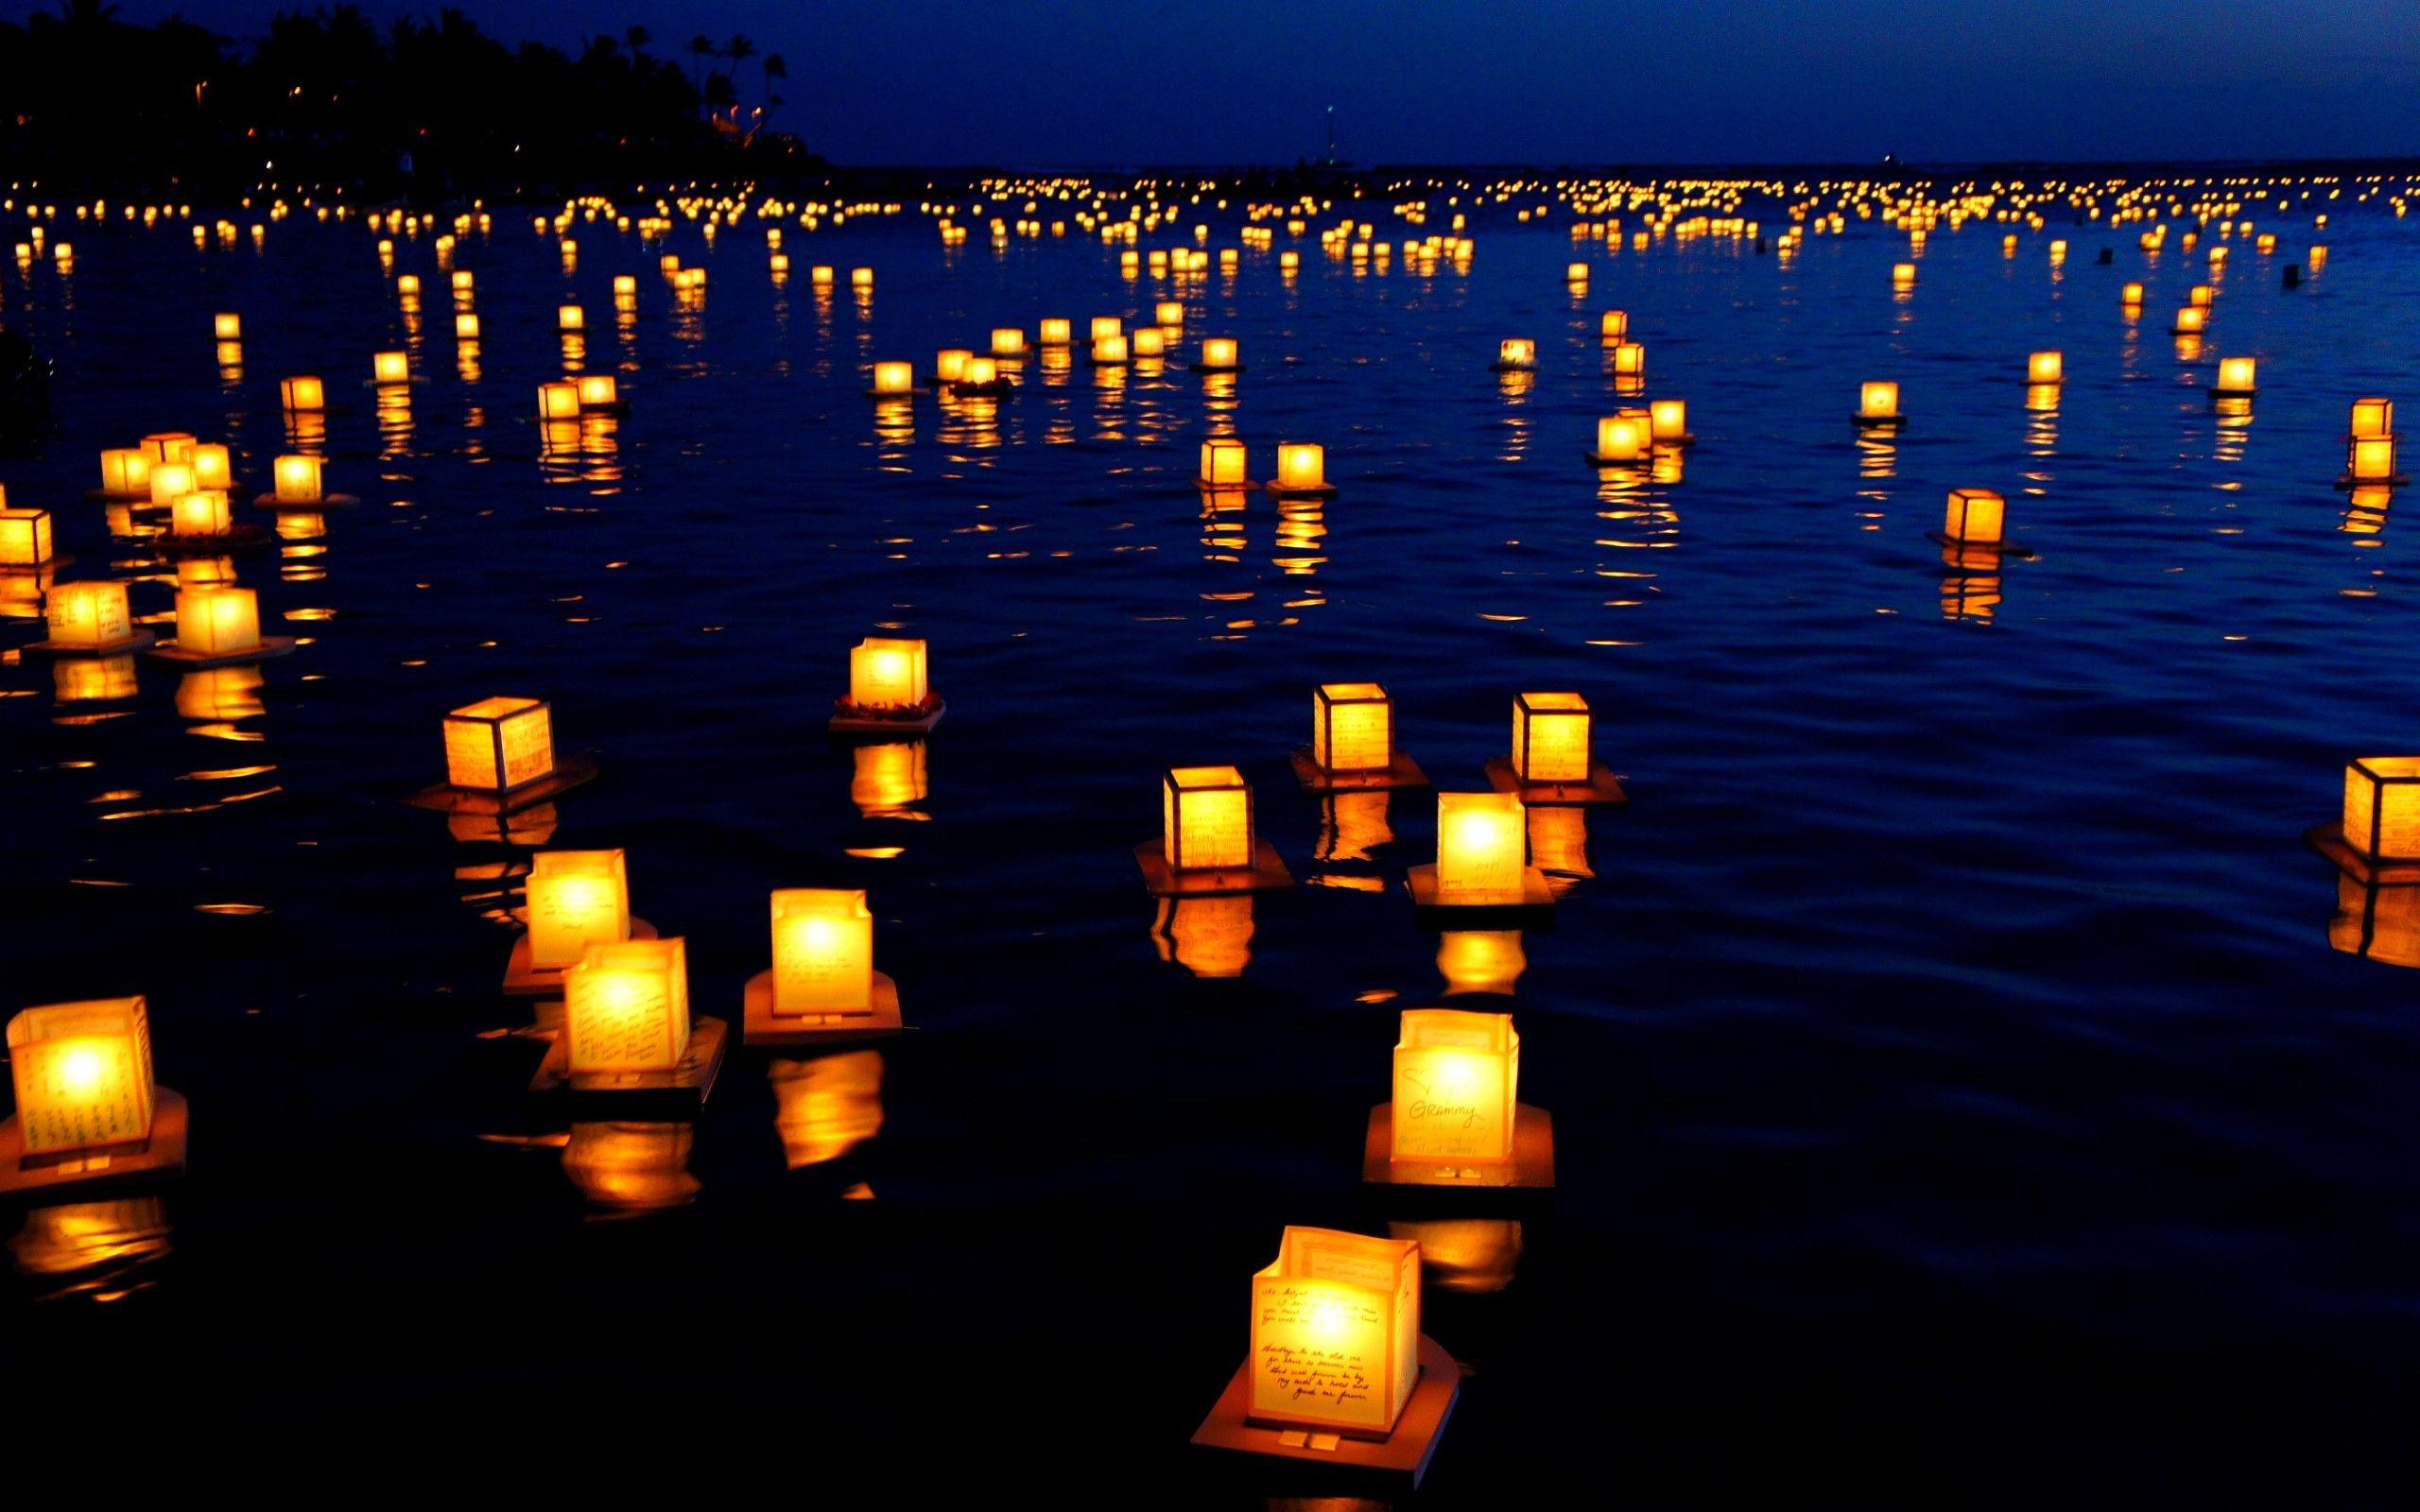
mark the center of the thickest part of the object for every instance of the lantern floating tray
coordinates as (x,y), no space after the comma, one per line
(162,1154)
(1536,905)
(1401,1458)
(1601,786)
(1164,881)
(522,980)
(268,648)
(1879,422)
(1314,491)
(1223,489)
(243,539)
(897,393)
(848,719)
(1400,771)
(1000,387)
(331,501)
(760,1025)
(1977,556)
(2370,871)
(1531,1167)
(58,562)
(2347,482)
(1215,367)
(141,640)
(574,771)
(680,1093)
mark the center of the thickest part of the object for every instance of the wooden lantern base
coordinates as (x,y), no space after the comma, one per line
(325,502)
(1316,490)
(1986,556)
(141,640)
(1879,422)
(2347,483)
(574,771)
(851,720)
(1531,1167)
(1602,460)
(1113,362)
(879,394)
(1601,786)
(1208,367)
(680,1093)
(1675,443)
(1164,881)
(619,408)
(2370,871)
(240,539)
(1536,905)
(760,1025)
(2217,394)
(1207,486)
(270,647)
(997,388)
(162,1153)
(35,569)
(1402,771)
(1512,367)
(522,980)
(1401,1458)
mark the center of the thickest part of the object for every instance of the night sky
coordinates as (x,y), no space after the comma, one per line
(1084,82)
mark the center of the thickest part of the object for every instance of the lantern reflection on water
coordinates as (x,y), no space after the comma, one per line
(1210,936)
(106,1245)
(1482,961)
(220,697)
(632,1166)
(2382,923)
(828,1107)
(1469,1257)
(93,679)
(889,778)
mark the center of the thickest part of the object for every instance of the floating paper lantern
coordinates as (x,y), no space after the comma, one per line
(389,367)
(1205,818)
(498,744)
(861,278)
(1289,262)
(1336,1333)
(2373,417)
(1668,419)
(1302,468)
(297,480)
(981,374)
(1456,1078)
(1614,326)
(1630,360)
(2131,296)
(25,538)
(1109,351)
(949,364)
(1170,313)
(894,379)
(1008,341)
(598,390)
(2235,377)
(169,446)
(1551,737)
(1482,849)
(1516,355)
(1624,438)
(303,396)
(1878,401)
(213,467)
(1218,354)
(2382,807)
(407,287)
(1351,728)
(217,620)
(570,317)
(1148,342)
(466,327)
(1054,333)
(1903,275)
(462,281)
(779,264)
(1222,463)
(559,401)
(575,898)
(229,327)
(2373,459)
(200,515)
(83,1074)
(1576,273)
(886,674)
(626,1007)
(170,481)
(2200,296)
(126,472)
(88,616)
(1975,517)
(822,952)
(2045,367)
(626,285)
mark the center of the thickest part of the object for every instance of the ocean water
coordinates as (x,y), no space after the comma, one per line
(1966,1084)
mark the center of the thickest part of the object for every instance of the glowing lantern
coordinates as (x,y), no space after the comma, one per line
(83,1074)
(980,374)
(894,379)
(466,327)
(626,285)
(1301,468)
(212,468)
(1336,1333)
(1630,360)
(2200,296)
(1109,351)
(229,327)
(1483,849)
(1455,1075)
(198,515)
(2235,377)
(2191,320)
(303,396)
(2045,367)
(822,952)
(407,287)
(861,279)
(1222,463)
(1551,737)
(1054,332)
(886,674)
(1218,355)
(169,446)
(1206,818)
(1576,273)
(626,1007)
(2382,807)
(1625,438)
(598,390)
(215,622)
(559,401)
(949,365)
(1615,326)
(1975,517)
(2131,296)
(88,616)
(25,538)
(297,479)
(1516,355)
(1149,342)
(1878,401)
(1170,313)
(2373,460)
(1903,275)
(575,898)
(126,472)
(1351,728)
(570,317)
(389,367)
(1008,341)
(463,280)
(498,744)
(2373,417)
(170,481)
(1669,422)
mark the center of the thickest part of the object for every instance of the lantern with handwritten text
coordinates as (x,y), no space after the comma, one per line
(1550,734)
(626,1007)
(89,617)
(2382,807)
(1222,463)
(217,620)
(83,1075)
(1351,728)
(575,898)
(1455,1075)
(25,538)
(1336,1333)
(498,744)
(822,952)
(1482,849)
(1205,818)
(886,674)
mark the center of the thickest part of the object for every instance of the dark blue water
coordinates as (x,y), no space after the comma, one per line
(1958,1095)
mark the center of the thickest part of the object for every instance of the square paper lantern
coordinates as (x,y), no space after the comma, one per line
(861,278)
(212,468)
(1615,326)
(598,390)
(88,616)
(498,745)
(626,1007)
(1668,419)
(980,372)
(1222,462)
(229,327)
(570,317)
(1205,818)
(1109,350)
(1630,360)
(1624,438)
(1170,313)
(1008,341)
(1576,273)
(886,674)
(303,396)
(822,952)
(1351,728)
(466,327)
(389,367)
(1878,401)
(1148,342)
(126,472)
(83,1073)
(200,515)
(407,287)
(1455,1075)
(2382,807)
(949,364)
(168,446)
(2045,367)
(894,377)
(1302,465)
(1219,351)
(2234,376)
(1903,275)
(1551,737)
(2373,417)
(1482,849)
(1516,352)
(1976,515)
(1336,1333)
(217,620)
(1107,325)
(25,538)
(559,401)
(2373,459)
(2131,296)
(297,479)
(575,898)
(171,481)
(626,285)
(1054,332)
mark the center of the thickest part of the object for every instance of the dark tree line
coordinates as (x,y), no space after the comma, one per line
(91,105)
